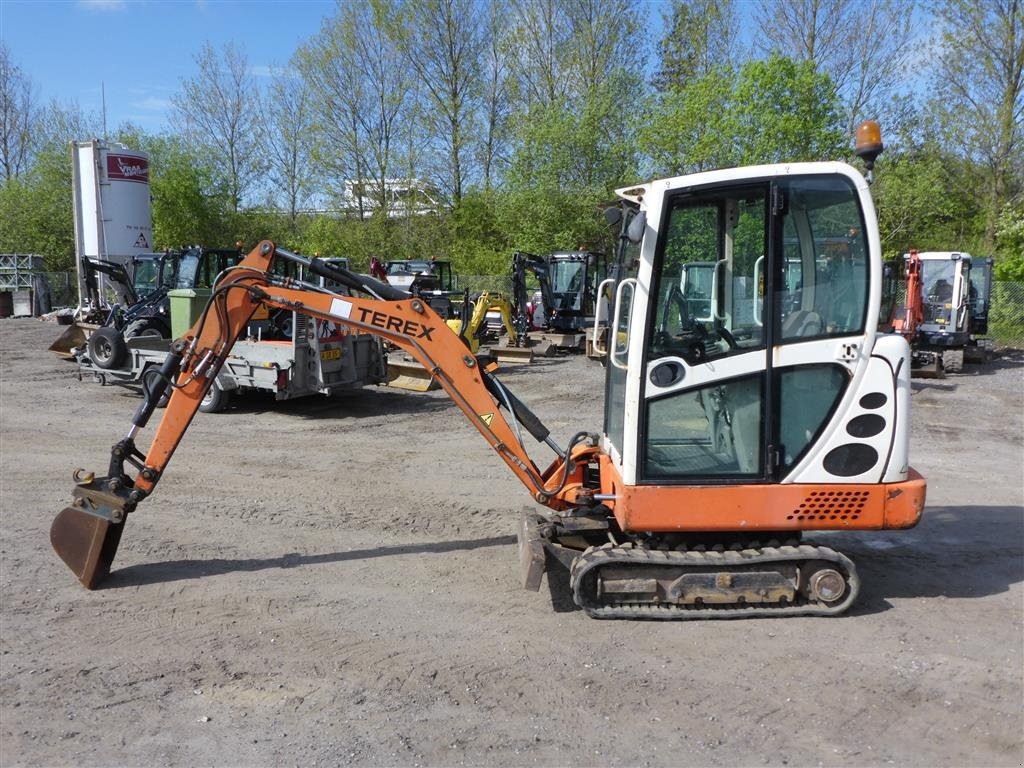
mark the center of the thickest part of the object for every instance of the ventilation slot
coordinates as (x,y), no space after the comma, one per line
(831,505)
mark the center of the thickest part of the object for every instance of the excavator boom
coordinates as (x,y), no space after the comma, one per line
(86,534)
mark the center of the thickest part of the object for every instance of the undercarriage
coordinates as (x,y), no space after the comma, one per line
(676,576)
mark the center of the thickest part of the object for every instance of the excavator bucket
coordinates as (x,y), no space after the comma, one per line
(410,375)
(74,336)
(543,348)
(86,534)
(512,355)
(86,543)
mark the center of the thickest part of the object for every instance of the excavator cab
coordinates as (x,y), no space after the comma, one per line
(756,383)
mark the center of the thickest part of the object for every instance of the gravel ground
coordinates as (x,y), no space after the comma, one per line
(335,582)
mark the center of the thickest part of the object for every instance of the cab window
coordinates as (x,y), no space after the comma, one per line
(822,289)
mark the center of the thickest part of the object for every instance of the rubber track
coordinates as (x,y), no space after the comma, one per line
(629,554)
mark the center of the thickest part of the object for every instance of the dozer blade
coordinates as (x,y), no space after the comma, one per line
(86,543)
(512,355)
(410,375)
(74,336)
(532,560)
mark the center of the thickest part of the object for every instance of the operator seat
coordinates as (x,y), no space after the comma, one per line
(803,322)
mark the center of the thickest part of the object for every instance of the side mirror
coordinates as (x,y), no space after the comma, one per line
(635,231)
(613,215)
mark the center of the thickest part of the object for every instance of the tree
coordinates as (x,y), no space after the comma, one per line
(700,37)
(219,108)
(18,117)
(1010,244)
(862,45)
(543,37)
(443,44)
(289,123)
(573,129)
(35,210)
(361,84)
(191,201)
(980,88)
(686,130)
(784,111)
(497,88)
(925,200)
(771,111)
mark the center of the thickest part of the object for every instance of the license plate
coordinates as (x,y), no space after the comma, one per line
(331,354)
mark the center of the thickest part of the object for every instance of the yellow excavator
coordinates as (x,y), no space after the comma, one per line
(726,440)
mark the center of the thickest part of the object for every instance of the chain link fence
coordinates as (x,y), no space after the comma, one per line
(1006,316)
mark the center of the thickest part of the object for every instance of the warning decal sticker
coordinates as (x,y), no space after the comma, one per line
(487,418)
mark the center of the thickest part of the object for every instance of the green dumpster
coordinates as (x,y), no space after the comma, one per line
(187,305)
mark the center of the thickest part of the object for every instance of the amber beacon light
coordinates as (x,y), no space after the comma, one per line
(868,143)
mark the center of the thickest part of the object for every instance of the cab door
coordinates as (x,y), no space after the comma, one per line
(705,363)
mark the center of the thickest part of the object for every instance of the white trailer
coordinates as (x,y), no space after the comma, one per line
(319,358)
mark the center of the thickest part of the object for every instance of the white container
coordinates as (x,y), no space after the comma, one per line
(113,216)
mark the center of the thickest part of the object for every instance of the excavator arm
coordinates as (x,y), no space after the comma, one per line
(913,314)
(86,534)
(523,262)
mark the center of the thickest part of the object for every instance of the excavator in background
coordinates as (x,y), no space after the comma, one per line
(724,441)
(105,331)
(948,294)
(569,302)
(151,273)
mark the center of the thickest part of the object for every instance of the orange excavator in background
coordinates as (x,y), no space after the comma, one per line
(908,323)
(946,310)
(779,411)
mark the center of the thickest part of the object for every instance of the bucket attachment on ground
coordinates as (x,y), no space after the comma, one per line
(512,355)
(543,348)
(410,375)
(73,337)
(86,534)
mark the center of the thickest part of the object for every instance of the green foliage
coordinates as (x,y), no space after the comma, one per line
(188,205)
(698,38)
(35,211)
(1010,245)
(771,111)
(925,200)
(686,130)
(784,111)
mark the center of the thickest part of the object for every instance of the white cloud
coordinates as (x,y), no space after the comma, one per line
(152,103)
(103,5)
(263,70)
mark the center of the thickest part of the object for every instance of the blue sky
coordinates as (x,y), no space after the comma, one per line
(141,50)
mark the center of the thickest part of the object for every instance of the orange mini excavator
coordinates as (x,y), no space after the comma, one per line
(729,431)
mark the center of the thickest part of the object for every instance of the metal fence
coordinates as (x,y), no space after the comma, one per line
(1006,316)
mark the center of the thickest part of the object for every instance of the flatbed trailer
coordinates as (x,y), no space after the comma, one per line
(320,358)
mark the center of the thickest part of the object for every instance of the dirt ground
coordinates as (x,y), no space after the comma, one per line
(334,582)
